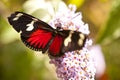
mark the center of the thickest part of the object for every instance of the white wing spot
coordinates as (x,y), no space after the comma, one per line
(30,26)
(82,36)
(80,41)
(68,39)
(35,19)
(17,16)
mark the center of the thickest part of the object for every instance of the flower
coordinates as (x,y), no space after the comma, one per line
(79,64)
(99,59)
(70,20)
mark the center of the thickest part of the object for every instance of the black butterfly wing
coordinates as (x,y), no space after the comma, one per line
(27,23)
(74,41)
(66,41)
(35,33)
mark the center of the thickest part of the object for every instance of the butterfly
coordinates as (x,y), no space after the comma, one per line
(40,36)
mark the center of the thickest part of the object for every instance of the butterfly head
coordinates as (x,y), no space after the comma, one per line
(58,26)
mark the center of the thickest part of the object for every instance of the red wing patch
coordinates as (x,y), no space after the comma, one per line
(55,46)
(39,38)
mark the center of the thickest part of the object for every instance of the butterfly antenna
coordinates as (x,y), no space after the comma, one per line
(77,14)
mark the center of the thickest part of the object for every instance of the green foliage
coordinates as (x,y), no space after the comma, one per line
(109,38)
(112,56)
(16,62)
(111,30)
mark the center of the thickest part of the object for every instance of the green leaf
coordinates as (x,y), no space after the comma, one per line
(112,59)
(111,30)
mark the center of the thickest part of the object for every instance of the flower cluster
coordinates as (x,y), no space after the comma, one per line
(70,20)
(79,64)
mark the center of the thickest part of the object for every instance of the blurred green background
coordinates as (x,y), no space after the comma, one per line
(20,63)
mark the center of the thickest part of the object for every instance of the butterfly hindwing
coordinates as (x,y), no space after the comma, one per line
(56,46)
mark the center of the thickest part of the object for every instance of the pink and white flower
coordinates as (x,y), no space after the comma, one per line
(79,64)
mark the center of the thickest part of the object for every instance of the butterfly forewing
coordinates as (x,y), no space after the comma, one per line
(74,41)
(27,24)
(66,41)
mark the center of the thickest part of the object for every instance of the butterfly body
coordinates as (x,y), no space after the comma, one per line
(40,36)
